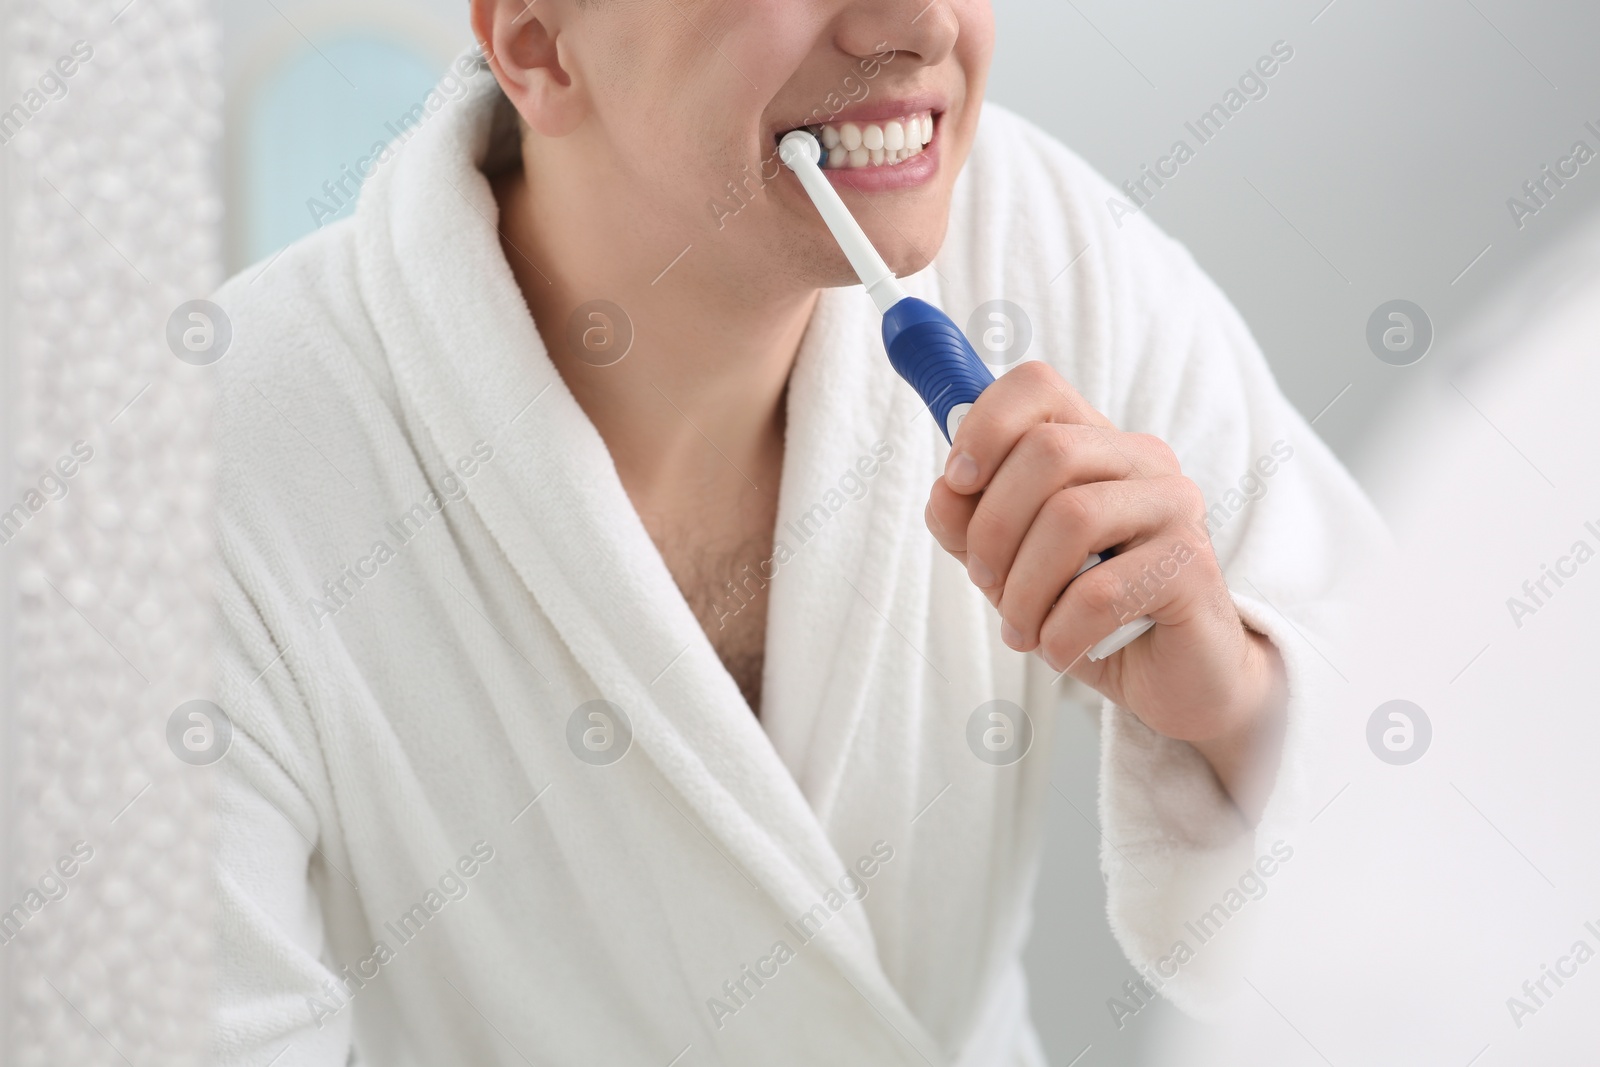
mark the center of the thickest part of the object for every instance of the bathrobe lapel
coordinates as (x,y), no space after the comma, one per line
(470,364)
(858,464)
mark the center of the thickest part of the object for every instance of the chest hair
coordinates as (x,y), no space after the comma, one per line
(726,587)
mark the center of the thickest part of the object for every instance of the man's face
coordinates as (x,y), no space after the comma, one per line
(690,97)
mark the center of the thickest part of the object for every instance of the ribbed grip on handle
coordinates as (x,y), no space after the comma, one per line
(933,355)
(927,350)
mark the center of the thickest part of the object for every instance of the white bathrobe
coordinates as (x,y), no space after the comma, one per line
(431,566)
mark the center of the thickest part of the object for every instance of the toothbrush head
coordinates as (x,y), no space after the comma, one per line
(798,145)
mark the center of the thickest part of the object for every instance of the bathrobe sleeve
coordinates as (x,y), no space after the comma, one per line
(1127,316)
(271,986)
(1292,531)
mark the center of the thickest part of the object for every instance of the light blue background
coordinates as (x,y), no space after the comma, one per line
(308,121)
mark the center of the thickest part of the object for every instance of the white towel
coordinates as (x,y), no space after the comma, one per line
(409,720)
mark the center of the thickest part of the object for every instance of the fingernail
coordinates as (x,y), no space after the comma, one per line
(962,470)
(1009,635)
(979,572)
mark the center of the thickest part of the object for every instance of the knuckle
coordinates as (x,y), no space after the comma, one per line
(1034,372)
(1050,442)
(1074,509)
(1013,612)
(985,529)
(948,532)
(1053,645)
(1101,591)
(1188,496)
(1158,451)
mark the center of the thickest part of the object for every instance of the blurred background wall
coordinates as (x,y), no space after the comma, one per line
(310,87)
(1378,166)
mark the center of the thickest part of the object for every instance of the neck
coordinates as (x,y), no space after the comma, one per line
(698,398)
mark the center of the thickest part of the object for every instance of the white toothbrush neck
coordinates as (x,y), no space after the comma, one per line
(874,273)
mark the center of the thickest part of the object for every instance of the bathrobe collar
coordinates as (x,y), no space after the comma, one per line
(471,366)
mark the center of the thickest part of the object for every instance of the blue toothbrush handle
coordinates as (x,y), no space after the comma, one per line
(934,356)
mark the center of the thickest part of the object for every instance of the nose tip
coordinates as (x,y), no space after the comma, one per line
(916,32)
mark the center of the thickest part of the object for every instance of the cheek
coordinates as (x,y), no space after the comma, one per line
(975,47)
(661,88)
(676,160)
(919,233)
(767,39)
(974,54)
(702,140)
(977,25)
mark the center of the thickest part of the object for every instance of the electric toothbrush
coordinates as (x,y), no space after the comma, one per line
(925,347)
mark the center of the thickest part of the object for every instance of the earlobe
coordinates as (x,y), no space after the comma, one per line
(527,52)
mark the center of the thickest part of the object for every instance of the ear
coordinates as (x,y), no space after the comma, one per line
(527,52)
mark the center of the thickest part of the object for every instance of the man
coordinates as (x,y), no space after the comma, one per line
(578,536)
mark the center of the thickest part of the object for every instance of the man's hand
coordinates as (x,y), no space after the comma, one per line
(1036,480)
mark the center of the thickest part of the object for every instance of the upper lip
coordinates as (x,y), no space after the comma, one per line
(872,110)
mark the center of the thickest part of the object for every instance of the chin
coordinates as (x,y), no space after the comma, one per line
(910,260)
(907,244)
(910,248)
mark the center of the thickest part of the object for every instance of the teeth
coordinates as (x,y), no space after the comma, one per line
(874,144)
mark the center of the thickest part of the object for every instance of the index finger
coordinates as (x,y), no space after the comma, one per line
(1018,400)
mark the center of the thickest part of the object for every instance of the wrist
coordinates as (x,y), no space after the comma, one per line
(1246,755)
